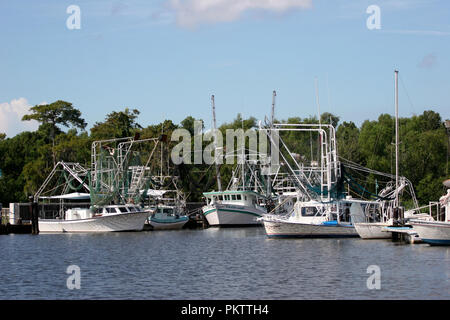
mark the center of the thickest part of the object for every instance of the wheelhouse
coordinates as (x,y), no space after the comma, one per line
(246,198)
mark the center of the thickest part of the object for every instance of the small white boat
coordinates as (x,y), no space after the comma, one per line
(432,232)
(167,218)
(233,208)
(435,232)
(103,219)
(314,219)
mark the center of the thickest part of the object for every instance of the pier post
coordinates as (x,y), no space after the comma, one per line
(34,217)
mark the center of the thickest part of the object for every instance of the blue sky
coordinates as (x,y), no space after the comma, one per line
(166,57)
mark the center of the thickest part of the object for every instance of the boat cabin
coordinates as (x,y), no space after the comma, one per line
(339,211)
(87,213)
(238,197)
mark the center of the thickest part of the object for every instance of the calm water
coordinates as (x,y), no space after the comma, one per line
(218,264)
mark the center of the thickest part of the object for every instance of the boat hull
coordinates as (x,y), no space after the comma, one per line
(372,230)
(108,223)
(232,216)
(434,233)
(287,229)
(167,224)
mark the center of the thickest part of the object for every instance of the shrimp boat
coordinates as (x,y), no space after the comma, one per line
(244,200)
(103,219)
(111,188)
(322,208)
(233,208)
(166,200)
(315,219)
(435,232)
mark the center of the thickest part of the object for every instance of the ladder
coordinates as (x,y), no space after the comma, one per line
(136,178)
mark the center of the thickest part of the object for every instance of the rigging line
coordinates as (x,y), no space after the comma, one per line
(362,168)
(372,172)
(407,95)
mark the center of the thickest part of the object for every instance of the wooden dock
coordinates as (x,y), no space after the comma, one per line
(15,228)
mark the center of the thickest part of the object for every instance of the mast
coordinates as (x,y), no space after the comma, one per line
(396,139)
(162,133)
(269,180)
(219,183)
(322,168)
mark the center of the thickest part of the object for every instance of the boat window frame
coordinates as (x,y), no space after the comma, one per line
(303,214)
(122,209)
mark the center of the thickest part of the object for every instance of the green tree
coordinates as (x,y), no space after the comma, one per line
(347,136)
(117,125)
(56,114)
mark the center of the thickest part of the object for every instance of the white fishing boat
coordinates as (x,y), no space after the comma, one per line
(323,207)
(315,219)
(111,180)
(233,208)
(243,201)
(103,219)
(435,232)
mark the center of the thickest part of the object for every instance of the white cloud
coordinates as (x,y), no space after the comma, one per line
(190,13)
(11,117)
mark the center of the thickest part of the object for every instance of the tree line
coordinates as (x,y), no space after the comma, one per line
(27,158)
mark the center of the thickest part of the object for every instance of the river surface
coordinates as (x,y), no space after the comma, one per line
(219,264)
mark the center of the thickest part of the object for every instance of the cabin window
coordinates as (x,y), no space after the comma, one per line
(220,197)
(233,197)
(123,209)
(245,197)
(111,210)
(238,197)
(132,209)
(309,211)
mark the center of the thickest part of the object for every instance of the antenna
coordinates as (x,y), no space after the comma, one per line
(396,138)
(274,94)
(219,183)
